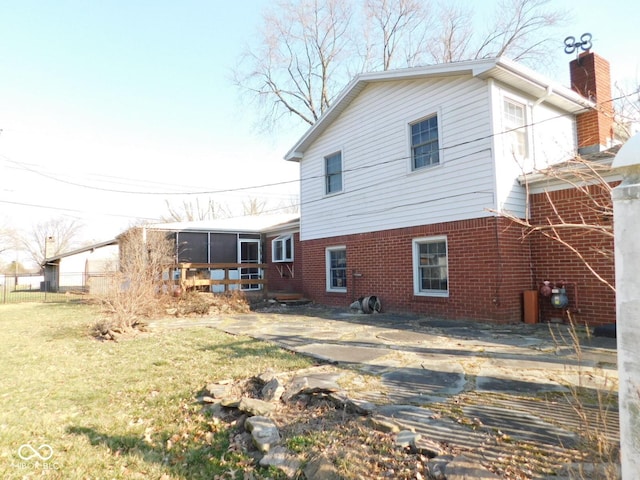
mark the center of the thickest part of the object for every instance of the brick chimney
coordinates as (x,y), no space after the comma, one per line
(591,78)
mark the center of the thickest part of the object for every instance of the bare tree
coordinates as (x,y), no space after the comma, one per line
(132,292)
(51,238)
(309,49)
(7,238)
(400,25)
(195,211)
(301,61)
(452,37)
(519,30)
(254,206)
(593,220)
(627,112)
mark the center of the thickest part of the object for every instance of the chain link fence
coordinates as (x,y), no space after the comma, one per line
(33,287)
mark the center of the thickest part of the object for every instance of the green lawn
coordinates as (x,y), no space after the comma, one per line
(107,410)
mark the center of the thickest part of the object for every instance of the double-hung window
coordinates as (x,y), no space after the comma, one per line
(514,119)
(282,248)
(336,264)
(425,146)
(430,267)
(333,173)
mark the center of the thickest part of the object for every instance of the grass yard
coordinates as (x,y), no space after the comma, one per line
(117,410)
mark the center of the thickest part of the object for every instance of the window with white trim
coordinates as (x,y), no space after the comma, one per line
(336,265)
(425,145)
(430,267)
(515,121)
(282,248)
(333,173)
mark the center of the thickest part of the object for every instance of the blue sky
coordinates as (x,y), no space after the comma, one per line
(136,95)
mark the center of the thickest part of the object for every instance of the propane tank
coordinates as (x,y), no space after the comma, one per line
(559,298)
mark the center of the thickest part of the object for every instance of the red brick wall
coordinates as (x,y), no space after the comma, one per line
(488,270)
(591,301)
(279,277)
(591,78)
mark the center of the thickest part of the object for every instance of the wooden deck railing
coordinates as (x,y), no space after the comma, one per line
(193,275)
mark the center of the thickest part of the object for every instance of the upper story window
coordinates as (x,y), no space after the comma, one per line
(282,248)
(333,173)
(425,147)
(515,121)
(430,267)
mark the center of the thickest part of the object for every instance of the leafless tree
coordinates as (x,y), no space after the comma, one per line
(308,50)
(399,25)
(132,293)
(302,59)
(194,211)
(519,30)
(254,206)
(51,238)
(627,108)
(7,238)
(594,219)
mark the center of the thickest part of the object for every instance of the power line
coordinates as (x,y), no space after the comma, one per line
(26,167)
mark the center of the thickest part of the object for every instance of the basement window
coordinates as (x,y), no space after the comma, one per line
(430,267)
(282,248)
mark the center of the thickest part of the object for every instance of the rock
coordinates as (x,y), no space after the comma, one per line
(312,384)
(264,432)
(273,390)
(427,447)
(282,459)
(384,424)
(462,468)
(407,439)
(267,376)
(230,402)
(207,399)
(321,468)
(218,390)
(436,467)
(294,388)
(255,406)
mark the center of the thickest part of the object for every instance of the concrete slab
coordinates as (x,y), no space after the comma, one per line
(343,353)
(424,421)
(521,425)
(409,382)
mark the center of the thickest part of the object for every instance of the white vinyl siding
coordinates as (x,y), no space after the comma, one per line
(380,190)
(550,137)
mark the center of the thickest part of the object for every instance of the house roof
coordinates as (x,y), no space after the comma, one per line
(501,69)
(88,248)
(565,175)
(246,224)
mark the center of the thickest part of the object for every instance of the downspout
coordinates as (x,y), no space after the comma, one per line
(547,94)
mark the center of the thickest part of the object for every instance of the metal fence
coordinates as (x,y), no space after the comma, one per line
(33,288)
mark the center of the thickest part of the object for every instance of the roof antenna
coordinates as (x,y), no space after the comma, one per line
(570,44)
